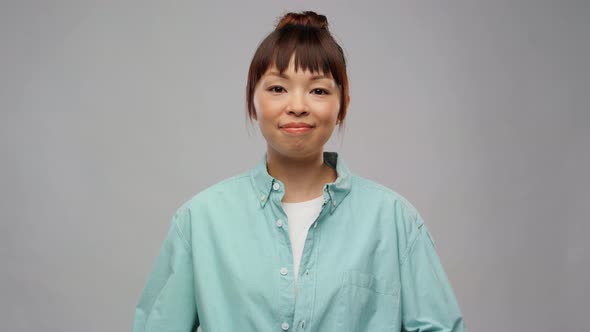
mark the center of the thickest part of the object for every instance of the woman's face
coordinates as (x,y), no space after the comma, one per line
(308,102)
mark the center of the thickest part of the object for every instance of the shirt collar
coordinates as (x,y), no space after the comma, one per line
(334,192)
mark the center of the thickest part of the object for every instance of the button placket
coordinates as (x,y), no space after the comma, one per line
(307,286)
(285,254)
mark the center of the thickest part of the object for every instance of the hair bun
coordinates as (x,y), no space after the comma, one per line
(306,18)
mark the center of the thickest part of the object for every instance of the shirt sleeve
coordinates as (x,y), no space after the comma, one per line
(428,301)
(167,303)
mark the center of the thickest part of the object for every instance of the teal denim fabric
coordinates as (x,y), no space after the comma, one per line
(369,263)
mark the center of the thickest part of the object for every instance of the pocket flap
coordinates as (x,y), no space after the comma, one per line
(371,281)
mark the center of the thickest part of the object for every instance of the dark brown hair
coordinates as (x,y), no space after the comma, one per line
(306,34)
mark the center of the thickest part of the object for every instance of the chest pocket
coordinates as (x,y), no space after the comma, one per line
(367,303)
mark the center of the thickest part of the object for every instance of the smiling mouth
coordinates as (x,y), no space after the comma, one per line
(297,130)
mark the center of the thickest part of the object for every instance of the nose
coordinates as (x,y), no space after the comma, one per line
(297,104)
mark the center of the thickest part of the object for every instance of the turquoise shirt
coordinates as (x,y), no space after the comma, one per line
(369,263)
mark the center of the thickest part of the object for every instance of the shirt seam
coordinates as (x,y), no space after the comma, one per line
(181,235)
(405,205)
(412,244)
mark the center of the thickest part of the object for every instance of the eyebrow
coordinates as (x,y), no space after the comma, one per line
(283,75)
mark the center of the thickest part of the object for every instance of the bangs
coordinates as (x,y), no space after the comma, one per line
(306,45)
(310,47)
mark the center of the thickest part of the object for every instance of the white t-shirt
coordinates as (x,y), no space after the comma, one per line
(300,216)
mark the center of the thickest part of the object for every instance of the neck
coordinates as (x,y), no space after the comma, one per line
(304,177)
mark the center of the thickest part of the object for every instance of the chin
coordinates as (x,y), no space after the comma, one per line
(306,152)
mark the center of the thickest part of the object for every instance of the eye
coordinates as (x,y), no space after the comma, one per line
(276,89)
(321,91)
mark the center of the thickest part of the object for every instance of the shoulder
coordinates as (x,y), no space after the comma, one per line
(392,206)
(236,184)
(371,188)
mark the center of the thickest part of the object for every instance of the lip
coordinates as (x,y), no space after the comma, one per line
(297,125)
(297,130)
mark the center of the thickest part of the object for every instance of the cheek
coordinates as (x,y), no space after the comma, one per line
(257,106)
(330,112)
(263,105)
(265,113)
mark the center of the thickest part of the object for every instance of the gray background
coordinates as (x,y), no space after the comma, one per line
(113,113)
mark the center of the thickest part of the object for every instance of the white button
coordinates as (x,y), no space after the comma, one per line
(334,202)
(276,186)
(284,271)
(263,197)
(285,326)
(280,223)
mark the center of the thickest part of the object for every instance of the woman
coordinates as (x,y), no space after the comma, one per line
(298,242)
